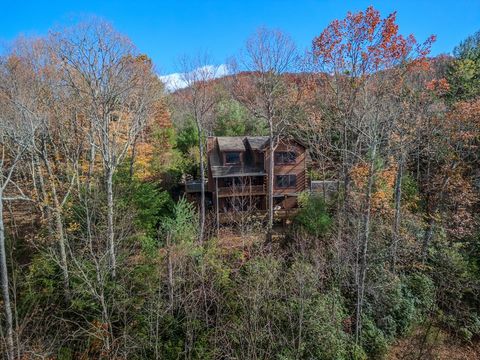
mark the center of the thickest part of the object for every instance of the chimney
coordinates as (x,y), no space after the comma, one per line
(210,143)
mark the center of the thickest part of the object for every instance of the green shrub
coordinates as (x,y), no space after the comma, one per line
(313,216)
(422,289)
(187,136)
(373,340)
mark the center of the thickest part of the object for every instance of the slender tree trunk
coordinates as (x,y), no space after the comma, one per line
(59,233)
(106,320)
(271,171)
(170,273)
(41,185)
(216,207)
(398,213)
(91,158)
(428,236)
(202,181)
(134,154)
(110,228)
(61,242)
(5,290)
(364,247)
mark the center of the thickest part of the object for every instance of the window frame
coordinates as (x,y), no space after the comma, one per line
(285,157)
(291,181)
(238,153)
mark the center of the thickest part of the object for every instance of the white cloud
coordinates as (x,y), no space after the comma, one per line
(177,81)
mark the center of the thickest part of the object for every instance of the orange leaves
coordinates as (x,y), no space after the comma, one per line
(142,160)
(364,43)
(438,87)
(458,197)
(384,182)
(467,111)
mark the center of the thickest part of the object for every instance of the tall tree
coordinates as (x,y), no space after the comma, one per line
(260,84)
(118,91)
(17,127)
(198,99)
(365,59)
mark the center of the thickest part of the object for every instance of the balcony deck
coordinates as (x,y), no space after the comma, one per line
(253,190)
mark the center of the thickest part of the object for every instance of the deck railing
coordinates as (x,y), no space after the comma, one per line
(241,190)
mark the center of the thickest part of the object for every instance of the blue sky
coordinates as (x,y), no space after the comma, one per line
(165,30)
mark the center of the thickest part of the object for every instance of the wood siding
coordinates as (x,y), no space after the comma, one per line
(298,168)
(286,197)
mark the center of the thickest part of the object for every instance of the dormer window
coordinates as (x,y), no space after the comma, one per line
(285,157)
(232,158)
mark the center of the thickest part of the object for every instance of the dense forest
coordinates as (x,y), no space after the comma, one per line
(102,257)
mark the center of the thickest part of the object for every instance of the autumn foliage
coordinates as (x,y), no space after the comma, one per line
(105,254)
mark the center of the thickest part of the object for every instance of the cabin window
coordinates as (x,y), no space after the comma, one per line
(232,158)
(285,157)
(286,181)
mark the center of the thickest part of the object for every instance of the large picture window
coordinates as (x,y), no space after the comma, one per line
(232,158)
(285,157)
(286,181)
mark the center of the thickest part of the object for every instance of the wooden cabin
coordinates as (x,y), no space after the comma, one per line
(238,173)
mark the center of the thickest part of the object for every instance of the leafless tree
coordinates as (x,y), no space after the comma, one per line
(16,126)
(197,73)
(117,89)
(242,207)
(259,83)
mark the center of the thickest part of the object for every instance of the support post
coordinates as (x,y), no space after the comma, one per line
(216,206)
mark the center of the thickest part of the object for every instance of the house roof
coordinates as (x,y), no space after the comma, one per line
(257,142)
(230,143)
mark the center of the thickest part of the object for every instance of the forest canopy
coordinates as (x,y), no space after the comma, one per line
(103,257)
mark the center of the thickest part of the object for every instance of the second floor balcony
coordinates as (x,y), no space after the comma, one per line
(242,190)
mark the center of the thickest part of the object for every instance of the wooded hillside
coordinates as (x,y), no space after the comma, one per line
(102,257)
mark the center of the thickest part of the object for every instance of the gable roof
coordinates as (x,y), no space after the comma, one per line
(230,143)
(257,142)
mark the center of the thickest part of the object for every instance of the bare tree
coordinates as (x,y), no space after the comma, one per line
(118,90)
(260,84)
(242,206)
(16,127)
(197,73)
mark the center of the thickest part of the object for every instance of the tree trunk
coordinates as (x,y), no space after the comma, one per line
(5,290)
(110,229)
(170,273)
(428,237)
(202,182)
(364,247)
(398,213)
(271,168)
(59,233)
(43,192)
(132,159)
(63,252)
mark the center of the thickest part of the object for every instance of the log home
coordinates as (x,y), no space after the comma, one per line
(238,173)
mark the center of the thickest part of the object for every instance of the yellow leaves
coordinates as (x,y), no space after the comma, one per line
(383,186)
(359,175)
(143,158)
(73,227)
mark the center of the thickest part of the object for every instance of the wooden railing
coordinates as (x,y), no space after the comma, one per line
(240,190)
